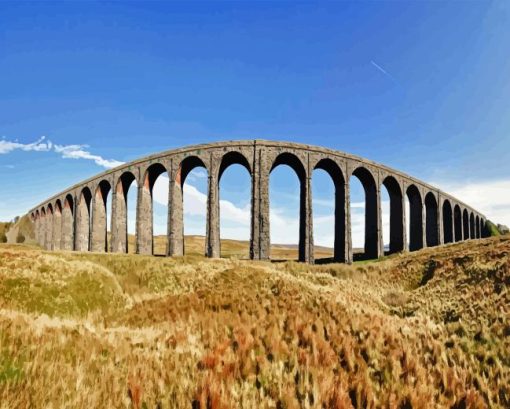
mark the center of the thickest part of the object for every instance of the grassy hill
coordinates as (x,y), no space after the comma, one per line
(428,329)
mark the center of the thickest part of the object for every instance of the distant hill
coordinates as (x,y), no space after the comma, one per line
(22,226)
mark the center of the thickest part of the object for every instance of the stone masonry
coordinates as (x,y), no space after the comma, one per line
(76,218)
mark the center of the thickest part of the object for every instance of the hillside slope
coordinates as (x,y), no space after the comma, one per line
(428,329)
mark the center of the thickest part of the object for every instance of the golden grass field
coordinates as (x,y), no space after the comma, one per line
(424,330)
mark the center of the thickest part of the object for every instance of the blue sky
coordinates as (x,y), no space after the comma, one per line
(421,87)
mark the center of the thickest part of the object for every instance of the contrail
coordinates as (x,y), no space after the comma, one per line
(382,70)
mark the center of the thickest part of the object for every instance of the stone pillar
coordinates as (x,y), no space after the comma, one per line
(213,216)
(119,233)
(440,226)
(57,229)
(98,235)
(461,226)
(36,229)
(255,206)
(44,229)
(67,227)
(380,240)
(175,215)
(82,226)
(144,218)
(423,224)
(348,233)
(405,239)
(306,222)
(260,246)
(49,231)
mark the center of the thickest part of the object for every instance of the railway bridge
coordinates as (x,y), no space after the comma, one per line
(75,219)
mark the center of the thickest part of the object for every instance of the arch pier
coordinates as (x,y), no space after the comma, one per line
(76,219)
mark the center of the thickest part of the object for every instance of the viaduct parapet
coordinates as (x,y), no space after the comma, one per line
(75,219)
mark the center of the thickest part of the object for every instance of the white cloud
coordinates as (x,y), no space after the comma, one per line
(492,198)
(66,151)
(37,146)
(78,152)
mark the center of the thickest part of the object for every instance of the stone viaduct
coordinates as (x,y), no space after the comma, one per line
(75,219)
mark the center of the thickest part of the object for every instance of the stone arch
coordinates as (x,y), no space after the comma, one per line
(68,223)
(233,158)
(465,224)
(83,220)
(415,218)
(371,246)
(57,225)
(215,221)
(176,204)
(447,222)
(145,207)
(477,227)
(457,218)
(431,220)
(336,174)
(472,234)
(98,236)
(119,225)
(293,161)
(396,214)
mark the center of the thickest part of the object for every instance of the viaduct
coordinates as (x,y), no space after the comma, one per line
(75,219)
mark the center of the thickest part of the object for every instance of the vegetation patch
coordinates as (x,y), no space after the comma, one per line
(104,330)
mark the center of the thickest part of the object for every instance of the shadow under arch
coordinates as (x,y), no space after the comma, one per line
(477,227)
(49,227)
(291,160)
(472,233)
(457,218)
(119,223)
(68,223)
(415,218)
(465,224)
(447,222)
(57,225)
(229,159)
(98,236)
(83,220)
(37,222)
(337,177)
(371,245)
(431,220)
(44,226)
(145,214)
(176,203)
(396,214)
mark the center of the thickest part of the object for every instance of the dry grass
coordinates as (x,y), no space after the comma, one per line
(431,329)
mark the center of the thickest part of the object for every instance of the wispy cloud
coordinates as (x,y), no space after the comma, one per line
(66,151)
(37,146)
(79,152)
